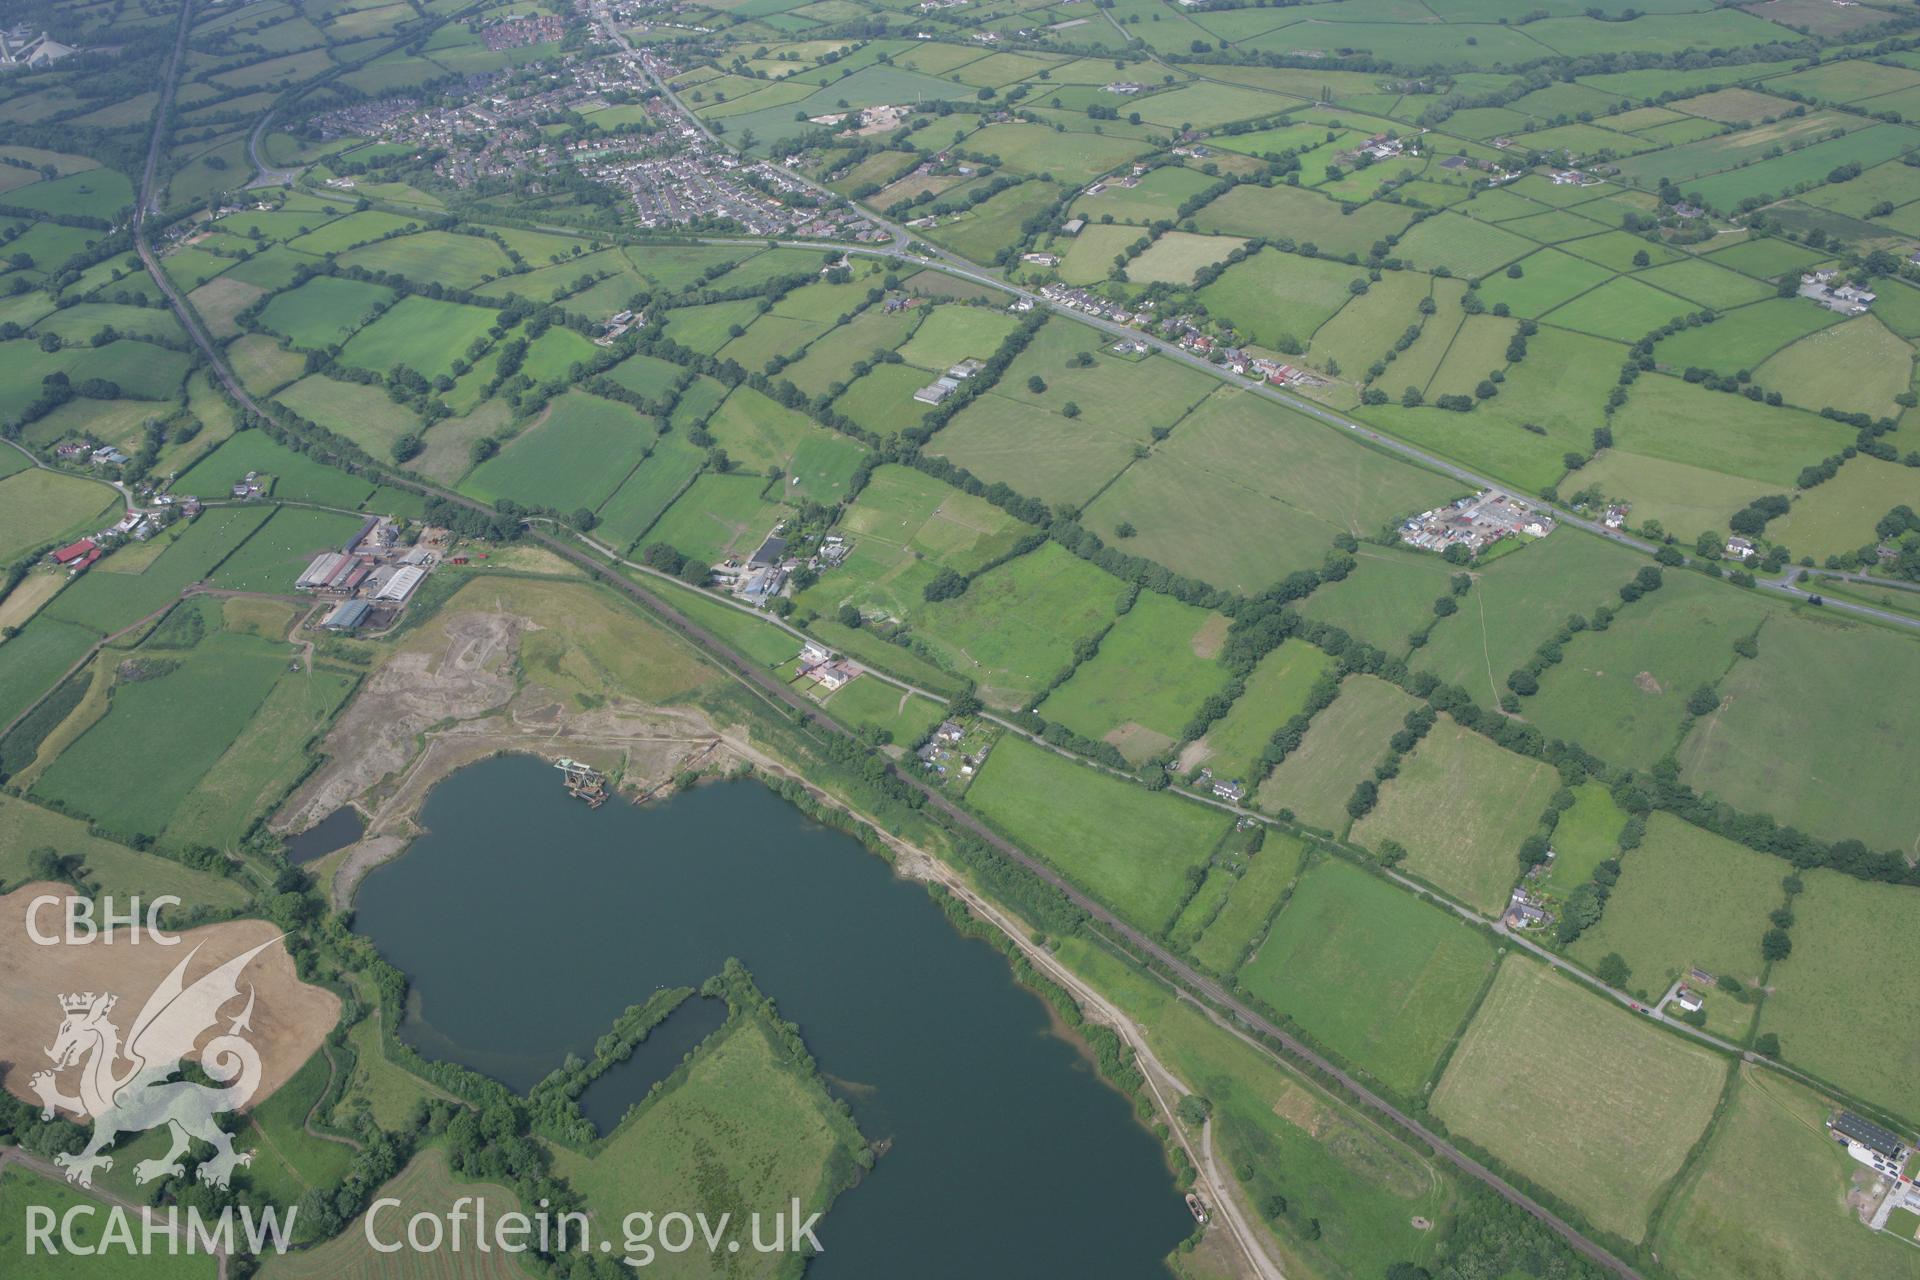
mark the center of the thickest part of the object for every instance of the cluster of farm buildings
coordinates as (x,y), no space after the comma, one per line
(372,575)
(1847,299)
(948,754)
(1476,523)
(81,554)
(942,387)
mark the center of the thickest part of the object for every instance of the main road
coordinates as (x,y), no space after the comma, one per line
(778,692)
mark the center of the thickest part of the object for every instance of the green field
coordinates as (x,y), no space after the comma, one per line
(1131,848)
(324,311)
(1839,515)
(279,550)
(1016,626)
(206,701)
(295,476)
(905,526)
(1153,670)
(1844,775)
(1346,741)
(1370,972)
(22,1191)
(948,334)
(575,454)
(759,434)
(719,516)
(1284,484)
(1815,992)
(1307,217)
(1622,693)
(669,467)
(432,256)
(1344,1180)
(1686,899)
(1608,1136)
(1460,807)
(1586,835)
(1252,898)
(363,414)
(426,1185)
(1668,418)
(1858,366)
(38,507)
(1276,691)
(1387,597)
(119,869)
(265,761)
(1518,601)
(423,334)
(1273,296)
(1771,1146)
(739,1125)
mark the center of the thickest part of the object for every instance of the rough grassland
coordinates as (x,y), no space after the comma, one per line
(1816,1008)
(1686,897)
(1803,734)
(741,1129)
(1130,847)
(1153,670)
(426,1185)
(1250,904)
(1622,693)
(1623,1101)
(1370,971)
(1346,741)
(1771,1147)
(1461,806)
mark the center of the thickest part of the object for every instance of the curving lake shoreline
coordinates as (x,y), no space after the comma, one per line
(527,922)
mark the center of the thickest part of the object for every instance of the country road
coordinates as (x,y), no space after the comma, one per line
(771,688)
